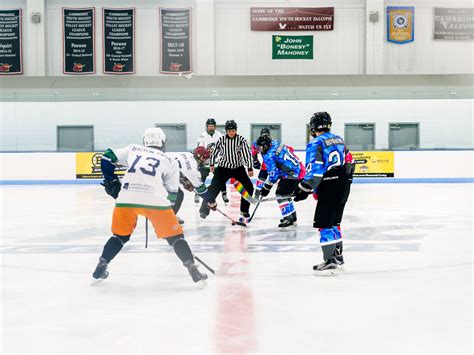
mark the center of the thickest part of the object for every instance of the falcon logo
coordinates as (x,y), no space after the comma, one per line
(78,67)
(5,67)
(118,67)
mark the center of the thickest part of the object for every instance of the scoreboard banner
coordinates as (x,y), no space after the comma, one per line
(88,166)
(119,41)
(11,61)
(79,41)
(374,164)
(175,25)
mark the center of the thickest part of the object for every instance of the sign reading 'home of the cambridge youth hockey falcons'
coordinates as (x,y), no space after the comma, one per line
(292,18)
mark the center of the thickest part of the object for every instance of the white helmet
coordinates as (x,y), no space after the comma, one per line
(154,137)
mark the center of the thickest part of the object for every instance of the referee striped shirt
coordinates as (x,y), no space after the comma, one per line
(232,152)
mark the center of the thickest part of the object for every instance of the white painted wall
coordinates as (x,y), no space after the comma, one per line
(408,165)
(27,126)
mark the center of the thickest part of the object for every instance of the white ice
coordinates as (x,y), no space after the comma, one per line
(407,285)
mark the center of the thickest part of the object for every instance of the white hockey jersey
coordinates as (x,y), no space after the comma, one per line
(188,166)
(150,178)
(208,141)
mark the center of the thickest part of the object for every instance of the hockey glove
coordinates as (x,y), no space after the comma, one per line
(302,191)
(186,183)
(256,164)
(112,187)
(266,190)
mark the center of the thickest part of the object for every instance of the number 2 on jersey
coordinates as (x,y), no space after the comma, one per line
(153,165)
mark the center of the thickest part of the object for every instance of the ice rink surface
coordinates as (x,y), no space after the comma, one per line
(407,285)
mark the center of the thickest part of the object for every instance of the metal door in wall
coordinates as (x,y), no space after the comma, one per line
(176,137)
(275,131)
(75,138)
(359,136)
(404,136)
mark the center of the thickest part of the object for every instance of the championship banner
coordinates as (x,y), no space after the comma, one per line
(292,47)
(175,27)
(11,61)
(400,24)
(292,18)
(88,166)
(119,40)
(455,24)
(374,164)
(79,41)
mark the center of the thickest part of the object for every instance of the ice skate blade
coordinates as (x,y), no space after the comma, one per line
(201,284)
(329,272)
(96,282)
(286,229)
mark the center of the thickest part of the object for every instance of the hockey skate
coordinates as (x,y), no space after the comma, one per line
(196,198)
(224,197)
(286,224)
(180,220)
(293,218)
(328,268)
(100,271)
(197,276)
(339,258)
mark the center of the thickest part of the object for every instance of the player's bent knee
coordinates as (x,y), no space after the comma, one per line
(174,239)
(122,238)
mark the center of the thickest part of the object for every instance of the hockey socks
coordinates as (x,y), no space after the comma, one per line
(113,246)
(181,248)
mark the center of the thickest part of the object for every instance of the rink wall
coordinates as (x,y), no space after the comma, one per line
(409,167)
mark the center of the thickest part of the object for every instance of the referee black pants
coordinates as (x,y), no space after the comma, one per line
(221,176)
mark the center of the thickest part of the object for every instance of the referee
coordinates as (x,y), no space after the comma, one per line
(235,158)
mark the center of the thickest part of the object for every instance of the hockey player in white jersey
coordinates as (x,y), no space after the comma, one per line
(149,188)
(190,176)
(208,139)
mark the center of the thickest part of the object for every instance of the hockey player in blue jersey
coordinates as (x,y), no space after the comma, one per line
(283,166)
(262,174)
(326,176)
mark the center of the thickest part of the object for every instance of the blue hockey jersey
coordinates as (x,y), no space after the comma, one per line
(281,162)
(323,153)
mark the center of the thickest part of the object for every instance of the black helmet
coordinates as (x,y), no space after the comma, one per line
(210,121)
(264,143)
(230,125)
(265,132)
(320,121)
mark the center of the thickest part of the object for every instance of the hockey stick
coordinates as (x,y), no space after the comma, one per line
(253,213)
(234,222)
(205,265)
(275,198)
(245,194)
(146,232)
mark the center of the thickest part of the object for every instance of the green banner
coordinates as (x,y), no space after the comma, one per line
(292,47)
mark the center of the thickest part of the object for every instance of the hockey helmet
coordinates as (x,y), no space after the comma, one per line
(320,121)
(230,124)
(264,143)
(154,137)
(211,121)
(265,131)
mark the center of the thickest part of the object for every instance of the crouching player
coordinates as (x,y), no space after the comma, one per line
(283,166)
(149,189)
